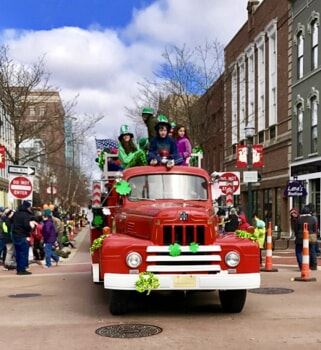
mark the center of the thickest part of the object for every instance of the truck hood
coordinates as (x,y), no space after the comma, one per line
(169,211)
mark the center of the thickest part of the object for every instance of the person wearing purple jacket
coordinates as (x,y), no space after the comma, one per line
(49,238)
(183,143)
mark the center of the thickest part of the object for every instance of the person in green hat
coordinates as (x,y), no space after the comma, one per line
(163,150)
(150,121)
(129,154)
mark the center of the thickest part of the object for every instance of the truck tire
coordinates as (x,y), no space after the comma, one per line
(232,301)
(118,304)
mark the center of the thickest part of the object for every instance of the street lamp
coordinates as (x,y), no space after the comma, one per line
(249,133)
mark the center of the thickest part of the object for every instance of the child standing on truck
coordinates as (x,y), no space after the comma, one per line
(129,154)
(183,143)
(163,148)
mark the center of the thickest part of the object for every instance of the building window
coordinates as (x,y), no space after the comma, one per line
(234,106)
(272,35)
(314,125)
(260,42)
(300,55)
(250,86)
(242,105)
(261,136)
(272,132)
(300,130)
(315,42)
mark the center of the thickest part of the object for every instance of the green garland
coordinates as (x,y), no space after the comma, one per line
(97,243)
(245,234)
(147,281)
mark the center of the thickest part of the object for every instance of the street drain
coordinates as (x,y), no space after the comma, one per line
(128,331)
(271,290)
(24,295)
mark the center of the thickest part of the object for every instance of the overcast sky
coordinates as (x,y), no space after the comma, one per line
(100,49)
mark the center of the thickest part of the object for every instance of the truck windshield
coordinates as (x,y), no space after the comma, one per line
(168,186)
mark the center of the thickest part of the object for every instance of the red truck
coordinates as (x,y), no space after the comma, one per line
(166,207)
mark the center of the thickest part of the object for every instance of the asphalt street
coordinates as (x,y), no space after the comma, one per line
(67,308)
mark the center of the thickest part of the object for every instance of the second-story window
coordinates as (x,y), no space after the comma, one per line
(300,54)
(315,42)
(314,125)
(300,130)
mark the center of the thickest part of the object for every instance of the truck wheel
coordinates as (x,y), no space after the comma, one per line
(118,304)
(232,301)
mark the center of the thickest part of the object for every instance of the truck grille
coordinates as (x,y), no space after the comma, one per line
(183,234)
(206,260)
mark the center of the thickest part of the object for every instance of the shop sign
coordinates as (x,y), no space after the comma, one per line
(295,188)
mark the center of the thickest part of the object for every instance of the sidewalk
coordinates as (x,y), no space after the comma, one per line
(78,260)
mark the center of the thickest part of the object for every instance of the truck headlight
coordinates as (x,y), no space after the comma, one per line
(232,259)
(133,260)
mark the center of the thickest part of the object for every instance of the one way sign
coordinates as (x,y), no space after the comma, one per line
(21,169)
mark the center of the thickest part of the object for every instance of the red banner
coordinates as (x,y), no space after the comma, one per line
(257,153)
(241,156)
(2,157)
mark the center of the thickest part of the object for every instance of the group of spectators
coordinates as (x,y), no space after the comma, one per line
(298,219)
(20,230)
(236,220)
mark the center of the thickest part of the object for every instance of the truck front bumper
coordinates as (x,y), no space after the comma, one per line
(222,280)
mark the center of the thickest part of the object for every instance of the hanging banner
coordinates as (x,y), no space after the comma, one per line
(241,156)
(257,156)
(2,157)
(257,153)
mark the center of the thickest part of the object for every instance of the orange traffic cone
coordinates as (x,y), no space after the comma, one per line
(305,269)
(268,258)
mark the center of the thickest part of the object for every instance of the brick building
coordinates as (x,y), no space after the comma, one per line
(208,125)
(258,94)
(306,87)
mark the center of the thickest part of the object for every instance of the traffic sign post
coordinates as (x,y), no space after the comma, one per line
(20,187)
(21,170)
(231,179)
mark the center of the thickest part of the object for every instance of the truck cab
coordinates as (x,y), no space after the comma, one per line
(165,207)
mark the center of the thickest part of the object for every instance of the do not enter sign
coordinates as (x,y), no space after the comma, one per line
(20,187)
(229,182)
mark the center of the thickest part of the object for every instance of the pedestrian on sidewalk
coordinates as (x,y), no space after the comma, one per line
(49,234)
(23,222)
(6,228)
(3,249)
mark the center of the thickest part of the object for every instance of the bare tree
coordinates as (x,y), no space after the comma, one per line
(186,74)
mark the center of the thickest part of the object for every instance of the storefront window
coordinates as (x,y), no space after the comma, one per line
(267,206)
(315,197)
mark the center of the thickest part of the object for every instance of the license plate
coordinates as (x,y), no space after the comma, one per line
(184,281)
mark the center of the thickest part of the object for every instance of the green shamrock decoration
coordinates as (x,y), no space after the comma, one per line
(147,281)
(101,159)
(193,247)
(174,249)
(98,220)
(122,187)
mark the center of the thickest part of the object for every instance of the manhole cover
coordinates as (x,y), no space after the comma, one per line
(128,331)
(271,290)
(24,295)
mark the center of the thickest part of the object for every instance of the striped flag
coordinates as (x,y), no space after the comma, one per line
(106,144)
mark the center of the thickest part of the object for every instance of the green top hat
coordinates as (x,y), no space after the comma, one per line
(148,110)
(125,130)
(162,120)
